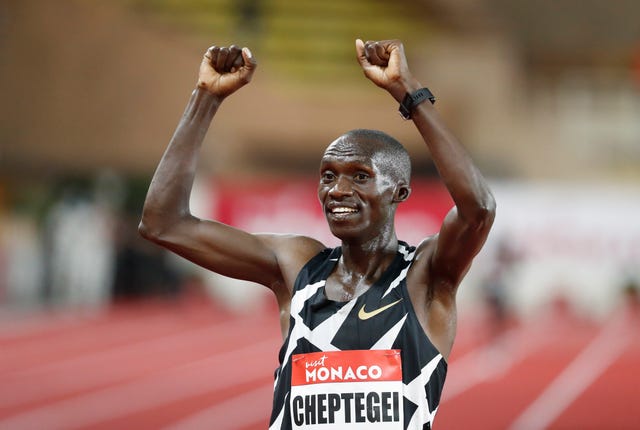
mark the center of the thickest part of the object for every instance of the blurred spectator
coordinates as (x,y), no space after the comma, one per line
(495,288)
(79,232)
(20,260)
(631,293)
(141,269)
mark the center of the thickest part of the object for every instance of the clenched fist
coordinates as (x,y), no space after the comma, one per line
(226,69)
(385,64)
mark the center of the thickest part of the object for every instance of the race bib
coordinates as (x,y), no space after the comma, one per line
(361,389)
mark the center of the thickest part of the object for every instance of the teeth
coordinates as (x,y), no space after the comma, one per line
(342,210)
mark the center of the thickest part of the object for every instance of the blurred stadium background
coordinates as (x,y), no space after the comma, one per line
(99,329)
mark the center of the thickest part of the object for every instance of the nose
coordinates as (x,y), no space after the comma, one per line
(341,188)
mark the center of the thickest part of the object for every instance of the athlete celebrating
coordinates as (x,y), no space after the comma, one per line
(368,326)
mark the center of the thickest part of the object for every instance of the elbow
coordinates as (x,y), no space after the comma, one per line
(146,230)
(487,211)
(484,214)
(151,228)
(161,228)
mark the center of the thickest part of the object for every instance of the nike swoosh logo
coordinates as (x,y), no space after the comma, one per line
(364,315)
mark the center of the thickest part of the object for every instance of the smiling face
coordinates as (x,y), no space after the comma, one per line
(360,186)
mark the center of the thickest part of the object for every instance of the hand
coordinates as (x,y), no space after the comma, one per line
(385,64)
(225,70)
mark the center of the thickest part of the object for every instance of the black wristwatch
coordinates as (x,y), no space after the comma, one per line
(410,101)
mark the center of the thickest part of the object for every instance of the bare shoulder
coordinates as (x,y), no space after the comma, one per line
(423,279)
(292,252)
(423,258)
(418,280)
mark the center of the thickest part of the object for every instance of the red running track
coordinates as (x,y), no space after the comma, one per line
(190,365)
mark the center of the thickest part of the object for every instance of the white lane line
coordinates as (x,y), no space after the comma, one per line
(115,364)
(237,412)
(174,384)
(592,361)
(43,324)
(492,361)
(84,337)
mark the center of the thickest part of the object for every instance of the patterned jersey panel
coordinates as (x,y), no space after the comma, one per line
(380,319)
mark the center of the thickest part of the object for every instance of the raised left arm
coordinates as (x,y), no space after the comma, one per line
(466,227)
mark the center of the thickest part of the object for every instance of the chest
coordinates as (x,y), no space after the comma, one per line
(344,288)
(359,323)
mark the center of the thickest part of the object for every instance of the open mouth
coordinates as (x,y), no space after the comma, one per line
(341,211)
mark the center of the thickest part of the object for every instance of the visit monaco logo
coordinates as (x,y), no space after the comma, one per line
(361,389)
(346,366)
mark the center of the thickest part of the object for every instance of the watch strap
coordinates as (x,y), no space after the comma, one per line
(411,100)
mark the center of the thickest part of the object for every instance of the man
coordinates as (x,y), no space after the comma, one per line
(368,326)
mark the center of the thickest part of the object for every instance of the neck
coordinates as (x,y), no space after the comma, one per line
(367,260)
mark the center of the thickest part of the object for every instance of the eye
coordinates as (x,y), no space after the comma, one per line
(361,177)
(327,177)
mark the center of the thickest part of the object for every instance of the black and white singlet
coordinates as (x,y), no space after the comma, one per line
(380,319)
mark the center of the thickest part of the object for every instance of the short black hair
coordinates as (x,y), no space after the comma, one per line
(387,153)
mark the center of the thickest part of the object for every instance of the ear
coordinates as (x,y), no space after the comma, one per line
(402,193)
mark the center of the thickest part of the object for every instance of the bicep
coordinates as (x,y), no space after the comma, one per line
(223,249)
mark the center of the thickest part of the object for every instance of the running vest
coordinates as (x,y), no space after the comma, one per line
(340,363)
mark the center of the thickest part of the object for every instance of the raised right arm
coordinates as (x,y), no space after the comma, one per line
(166,218)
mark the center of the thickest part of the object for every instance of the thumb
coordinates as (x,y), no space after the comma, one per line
(360,55)
(249,61)
(250,64)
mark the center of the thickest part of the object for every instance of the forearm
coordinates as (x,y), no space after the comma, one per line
(385,64)
(468,188)
(168,197)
